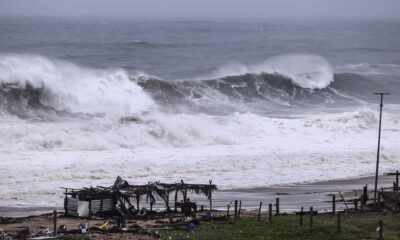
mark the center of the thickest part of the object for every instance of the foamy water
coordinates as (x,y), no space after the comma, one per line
(246,105)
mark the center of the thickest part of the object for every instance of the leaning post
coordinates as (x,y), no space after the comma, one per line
(259,211)
(379,145)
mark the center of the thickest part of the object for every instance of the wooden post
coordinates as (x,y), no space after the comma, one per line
(167,203)
(210,196)
(333,204)
(201,208)
(137,202)
(397,180)
(394,186)
(270,213)
(380,230)
(355,205)
(365,195)
(90,208)
(240,208)
(176,199)
(227,211)
(210,200)
(277,206)
(339,224)
(301,216)
(55,221)
(66,201)
(311,217)
(236,208)
(184,194)
(259,211)
(151,206)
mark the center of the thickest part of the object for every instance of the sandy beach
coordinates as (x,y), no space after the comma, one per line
(317,195)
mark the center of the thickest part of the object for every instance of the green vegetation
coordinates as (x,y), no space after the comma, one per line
(355,226)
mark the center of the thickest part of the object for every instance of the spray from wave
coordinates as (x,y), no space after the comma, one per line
(306,71)
(98,109)
(63,86)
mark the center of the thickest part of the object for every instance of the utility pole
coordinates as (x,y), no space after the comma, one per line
(379,146)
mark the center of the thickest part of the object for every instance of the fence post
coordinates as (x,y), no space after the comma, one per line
(240,208)
(365,195)
(227,211)
(55,221)
(380,230)
(301,216)
(270,213)
(397,180)
(311,217)
(259,211)
(333,204)
(277,206)
(355,205)
(339,224)
(236,208)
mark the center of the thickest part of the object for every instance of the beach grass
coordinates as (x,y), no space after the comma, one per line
(354,226)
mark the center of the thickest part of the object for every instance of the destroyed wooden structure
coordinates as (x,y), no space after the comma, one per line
(123,199)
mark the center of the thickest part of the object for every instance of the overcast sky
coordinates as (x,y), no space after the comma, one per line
(204,9)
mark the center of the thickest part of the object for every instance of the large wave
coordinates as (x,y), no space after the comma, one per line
(31,81)
(32,86)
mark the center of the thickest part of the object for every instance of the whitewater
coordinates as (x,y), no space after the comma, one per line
(247,105)
(72,126)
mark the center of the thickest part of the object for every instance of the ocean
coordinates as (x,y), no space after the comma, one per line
(246,104)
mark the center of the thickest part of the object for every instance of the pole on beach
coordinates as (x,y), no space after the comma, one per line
(55,221)
(259,212)
(311,217)
(277,207)
(379,145)
(240,208)
(301,216)
(270,213)
(236,208)
(333,204)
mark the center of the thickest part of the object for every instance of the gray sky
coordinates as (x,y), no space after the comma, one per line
(204,9)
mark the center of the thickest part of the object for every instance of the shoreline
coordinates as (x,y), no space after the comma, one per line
(292,197)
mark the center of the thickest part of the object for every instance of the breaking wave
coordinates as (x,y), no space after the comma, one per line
(35,86)
(31,81)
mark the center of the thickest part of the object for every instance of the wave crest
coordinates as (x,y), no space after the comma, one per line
(306,71)
(64,86)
